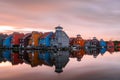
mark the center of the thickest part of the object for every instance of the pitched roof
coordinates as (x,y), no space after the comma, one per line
(27,35)
(45,34)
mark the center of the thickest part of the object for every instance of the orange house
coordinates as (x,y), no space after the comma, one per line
(77,41)
(34,40)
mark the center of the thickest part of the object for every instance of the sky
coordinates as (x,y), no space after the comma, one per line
(89,18)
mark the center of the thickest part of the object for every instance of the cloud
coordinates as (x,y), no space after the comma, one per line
(98,15)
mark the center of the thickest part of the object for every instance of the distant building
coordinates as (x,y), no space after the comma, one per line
(45,39)
(34,39)
(60,38)
(78,41)
(7,41)
(16,39)
(92,43)
(25,40)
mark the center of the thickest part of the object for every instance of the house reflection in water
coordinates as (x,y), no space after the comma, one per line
(93,51)
(16,58)
(57,59)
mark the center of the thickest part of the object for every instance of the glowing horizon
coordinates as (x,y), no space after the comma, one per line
(88,18)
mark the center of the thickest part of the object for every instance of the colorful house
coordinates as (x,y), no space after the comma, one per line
(16,39)
(25,40)
(94,42)
(102,43)
(45,39)
(78,41)
(71,41)
(34,39)
(7,42)
(60,38)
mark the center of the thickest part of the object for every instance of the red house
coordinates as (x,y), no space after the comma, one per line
(110,46)
(16,39)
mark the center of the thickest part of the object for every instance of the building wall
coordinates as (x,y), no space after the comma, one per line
(7,42)
(16,39)
(46,41)
(61,39)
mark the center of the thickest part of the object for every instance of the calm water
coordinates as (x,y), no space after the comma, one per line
(79,65)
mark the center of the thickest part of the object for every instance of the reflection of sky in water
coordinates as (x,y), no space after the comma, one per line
(103,67)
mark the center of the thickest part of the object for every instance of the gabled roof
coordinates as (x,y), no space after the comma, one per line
(27,35)
(45,34)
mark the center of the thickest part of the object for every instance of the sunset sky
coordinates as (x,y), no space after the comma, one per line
(100,18)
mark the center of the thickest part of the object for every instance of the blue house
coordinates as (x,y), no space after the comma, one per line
(103,44)
(45,40)
(7,41)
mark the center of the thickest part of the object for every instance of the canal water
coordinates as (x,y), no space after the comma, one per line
(59,65)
